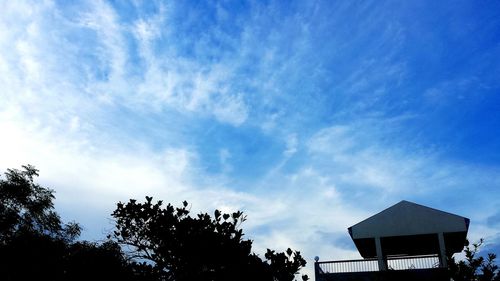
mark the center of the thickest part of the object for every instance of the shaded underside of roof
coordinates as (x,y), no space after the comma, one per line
(426,244)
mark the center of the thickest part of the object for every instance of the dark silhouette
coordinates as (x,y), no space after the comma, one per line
(474,267)
(36,245)
(27,207)
(163,243)
(408,241)
(181,247)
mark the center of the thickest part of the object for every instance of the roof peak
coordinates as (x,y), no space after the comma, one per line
(407,213)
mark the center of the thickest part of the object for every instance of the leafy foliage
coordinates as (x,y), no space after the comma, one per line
(285,265)
(164,243)
(36,245)
(474,267)
(181,247)
(27,207)
(98,261)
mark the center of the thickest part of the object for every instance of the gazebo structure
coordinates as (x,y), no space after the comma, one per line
(404,242)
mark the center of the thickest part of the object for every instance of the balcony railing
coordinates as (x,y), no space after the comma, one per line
(345,266)
(413,262)
(369,265)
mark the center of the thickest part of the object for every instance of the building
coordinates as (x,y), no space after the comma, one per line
(404,242)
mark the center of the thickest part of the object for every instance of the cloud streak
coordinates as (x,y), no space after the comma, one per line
(308,116)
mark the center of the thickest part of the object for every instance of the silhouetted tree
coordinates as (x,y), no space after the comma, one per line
(36,245)
(100,261)
(180,247)
(166,243)
(33,238)
(474,267)
(27,207)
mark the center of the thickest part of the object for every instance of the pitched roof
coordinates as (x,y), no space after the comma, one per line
(409,228)
(407,218)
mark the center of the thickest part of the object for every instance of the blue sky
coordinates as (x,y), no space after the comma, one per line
(307,115)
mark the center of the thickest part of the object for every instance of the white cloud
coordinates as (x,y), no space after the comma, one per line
(60,94)
(335,140)
(103,20)
(96,178)
(224,157)
(50,118)
(357,158)
(291,145)
(231,109)
(70,76)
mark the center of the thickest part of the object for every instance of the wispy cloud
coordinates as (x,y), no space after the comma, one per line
(309,116)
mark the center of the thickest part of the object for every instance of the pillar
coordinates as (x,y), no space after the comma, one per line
(380,255)
(442,250)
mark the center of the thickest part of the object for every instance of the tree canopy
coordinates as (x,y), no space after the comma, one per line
(27,207)
(474,266)
(162,242)
(36,245)
(181,247)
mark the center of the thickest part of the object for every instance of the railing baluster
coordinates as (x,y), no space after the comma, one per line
(395,263)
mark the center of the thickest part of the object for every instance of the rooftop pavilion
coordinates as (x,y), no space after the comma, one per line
(406,241)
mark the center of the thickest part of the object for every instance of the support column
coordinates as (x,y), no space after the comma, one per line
(442,250)
(380,255)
